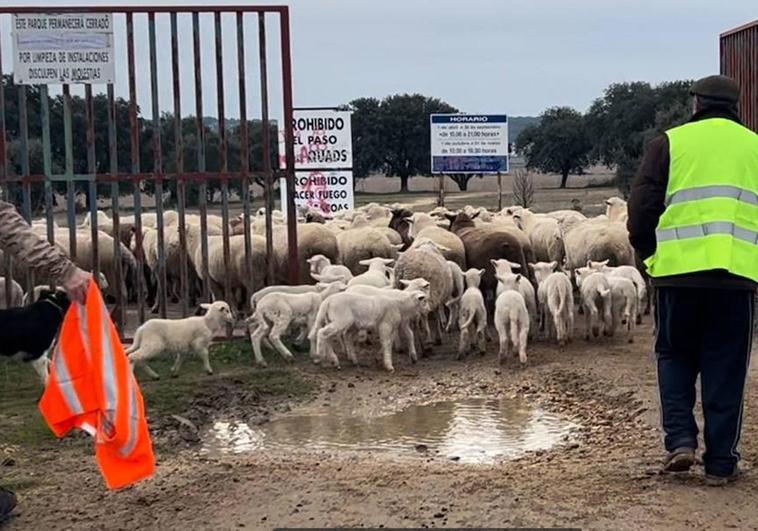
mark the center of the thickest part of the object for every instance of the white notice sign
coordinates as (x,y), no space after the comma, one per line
(327,191)
(323,139)
(63,48)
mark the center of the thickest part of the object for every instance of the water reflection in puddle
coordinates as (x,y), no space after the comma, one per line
(474,430)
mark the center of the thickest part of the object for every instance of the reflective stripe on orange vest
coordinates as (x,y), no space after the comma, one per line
(91,387)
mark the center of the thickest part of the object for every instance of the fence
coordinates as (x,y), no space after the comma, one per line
(21,183)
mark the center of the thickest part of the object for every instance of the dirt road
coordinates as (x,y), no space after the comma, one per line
(606,480)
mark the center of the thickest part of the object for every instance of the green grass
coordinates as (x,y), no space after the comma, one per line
(22,425)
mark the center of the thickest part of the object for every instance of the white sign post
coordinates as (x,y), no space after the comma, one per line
(323,160)
(63,48)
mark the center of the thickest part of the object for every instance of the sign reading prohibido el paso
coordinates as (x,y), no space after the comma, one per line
(63,48)
(469,143)
(323,160)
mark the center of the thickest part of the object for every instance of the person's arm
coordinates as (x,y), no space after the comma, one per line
(647,196)
(31,250)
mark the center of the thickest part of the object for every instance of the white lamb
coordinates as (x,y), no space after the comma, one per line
(179,336)
(624,296)
(458,282)
(511,318)
(555,296)
(625,271)
(383,314)
(322,269)
(377,274)
(277,311)
(525,287)
(595,298)
(472,320)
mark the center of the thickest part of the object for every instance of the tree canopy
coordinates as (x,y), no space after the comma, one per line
(392,135)
(559,144)
(624,118)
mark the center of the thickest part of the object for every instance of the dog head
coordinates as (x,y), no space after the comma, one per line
(57,298)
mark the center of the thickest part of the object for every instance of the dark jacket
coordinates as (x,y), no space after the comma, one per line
(646,205)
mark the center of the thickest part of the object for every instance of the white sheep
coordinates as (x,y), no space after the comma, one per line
(625,271)
(615,209)
(595,299)
(277,311)
(458,282)
(322,269)
(544,234)
(511,318)
(472,319)
(16,295)
(385,315)
(555,297)
(624,296)
(377,274)
(525,287)
(179,336)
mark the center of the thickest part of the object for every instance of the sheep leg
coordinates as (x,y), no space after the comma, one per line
(177,364)
(256,336)
(463,343)
(523,337)
(587,325)
(349,346)
(440,317)
(407,333)
(279,327)
(453,317)
(150,372)
(481,333)
(325,335)
(201,347)
(386,336)
(428,330)
(42,367)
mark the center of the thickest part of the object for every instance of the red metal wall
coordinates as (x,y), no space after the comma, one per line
(739,60)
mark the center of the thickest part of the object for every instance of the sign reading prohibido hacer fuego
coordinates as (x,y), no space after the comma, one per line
(63,48)
(323,160)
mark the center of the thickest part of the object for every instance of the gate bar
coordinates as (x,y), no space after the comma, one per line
(202,188)
(289,146)
(266,141)
(92,184)
(119,312)
(23,130)
(244,156)
(70,192)
(47,164)
(7,261)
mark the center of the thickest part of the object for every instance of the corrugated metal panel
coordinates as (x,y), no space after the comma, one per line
(739,60)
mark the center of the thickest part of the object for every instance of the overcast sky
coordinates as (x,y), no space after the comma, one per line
(512,56)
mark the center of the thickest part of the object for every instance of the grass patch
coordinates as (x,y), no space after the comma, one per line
(22,425)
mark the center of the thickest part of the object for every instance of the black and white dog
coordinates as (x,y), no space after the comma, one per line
(29,331)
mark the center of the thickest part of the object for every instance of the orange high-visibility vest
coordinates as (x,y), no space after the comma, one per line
(91,387)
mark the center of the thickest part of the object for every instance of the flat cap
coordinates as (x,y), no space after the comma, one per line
(721,88)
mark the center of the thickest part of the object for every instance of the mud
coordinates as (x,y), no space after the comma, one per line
(604,476)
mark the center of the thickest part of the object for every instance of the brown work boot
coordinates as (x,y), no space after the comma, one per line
(720,481)
(679,460)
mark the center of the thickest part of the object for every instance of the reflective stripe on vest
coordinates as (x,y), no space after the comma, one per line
(711,215)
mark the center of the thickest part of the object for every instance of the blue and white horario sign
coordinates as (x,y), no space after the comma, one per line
(469,143)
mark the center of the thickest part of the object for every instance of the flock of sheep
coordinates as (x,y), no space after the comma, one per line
(386,275)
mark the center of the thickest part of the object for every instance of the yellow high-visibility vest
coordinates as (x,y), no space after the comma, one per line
(711,216)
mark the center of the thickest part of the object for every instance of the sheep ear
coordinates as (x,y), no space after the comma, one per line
(604,262)
(589,263)
(365,262)
(518,277)
(477,214)
(531,266)
(514,265)
(450,217)
(387,261)
(397,246)
(404,282)
(205,306)
(553,265)
(493,262)
(481,272)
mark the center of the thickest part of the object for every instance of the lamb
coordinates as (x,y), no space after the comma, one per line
(284,288)
(406,330)
(426,261)
(472,320)
(276,312)
(484,244)
(31,330)
(180,336)
(511,318)
(361,242)
(459,285)
(624,296)
(525,288)
(555,296)
(595,297)
(376,275)
(322,268)
(383,314)
(16,294)
(625,271)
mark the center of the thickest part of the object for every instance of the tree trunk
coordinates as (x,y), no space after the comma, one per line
(564,178)
(404,183)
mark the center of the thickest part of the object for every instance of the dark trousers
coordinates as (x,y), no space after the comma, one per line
(707,332)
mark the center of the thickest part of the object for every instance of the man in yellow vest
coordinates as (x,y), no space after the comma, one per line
(693,219)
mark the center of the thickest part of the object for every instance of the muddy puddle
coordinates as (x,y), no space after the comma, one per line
(474,430)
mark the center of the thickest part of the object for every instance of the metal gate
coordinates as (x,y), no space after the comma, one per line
(22,182)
